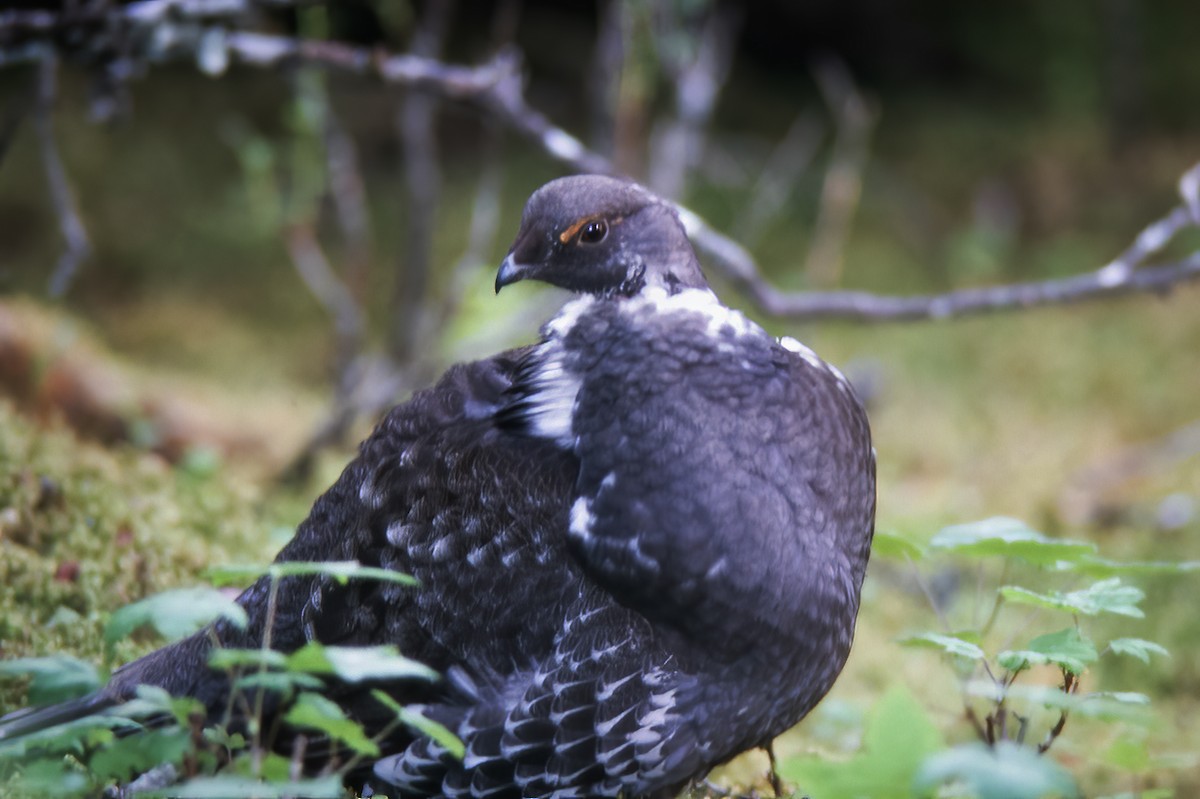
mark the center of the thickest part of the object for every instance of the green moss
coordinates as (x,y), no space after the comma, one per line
(85,530)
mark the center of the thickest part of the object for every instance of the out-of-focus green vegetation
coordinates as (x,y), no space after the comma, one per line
(1055,416)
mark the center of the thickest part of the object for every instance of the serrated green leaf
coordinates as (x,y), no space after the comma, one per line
(318,712)
(1138,648)
(439,733)
(1005,771)
(1066,649)
(175,614)
(897,547)
(957,645)
(341,571)
(898,737)
(1009,538)
(55,678)
(1106,596)
(357,663)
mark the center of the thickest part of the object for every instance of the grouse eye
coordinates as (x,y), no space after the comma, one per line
(594,232)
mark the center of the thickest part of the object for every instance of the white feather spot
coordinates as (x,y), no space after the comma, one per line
(717,569)
(400,534)
(837,373)
(699,302)
(610,688)
(552,402)
(476,556)
(605,727)
(368,495)
(568,316)
(645,561)
(645,735)
(581,519)
(792,345)
(442,548)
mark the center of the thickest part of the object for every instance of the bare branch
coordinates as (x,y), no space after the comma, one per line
(75,238)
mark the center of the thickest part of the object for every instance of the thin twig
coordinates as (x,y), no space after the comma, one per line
(973,718)
(697,81)
(314,270)
(77,247)
(1069,687)
(783,169)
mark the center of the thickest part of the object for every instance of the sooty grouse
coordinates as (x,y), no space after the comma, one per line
(640,542)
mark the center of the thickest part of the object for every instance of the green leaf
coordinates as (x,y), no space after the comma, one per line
(1106,596)
(229,786)
(73,736)
(439,733)
(154,701)
(175,614)
(899,736)
(315,711)
(271,766)
(229,659)
(1138,648)
(959,645)
(341,571)
(1005,771)
(888,545)
(1066,649)
(55,678)
(1096,566)
(282,682)
(135,754)
(357,663)
(52,778)
(1009,538)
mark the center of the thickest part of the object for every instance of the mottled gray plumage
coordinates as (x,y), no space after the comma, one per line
(640,541)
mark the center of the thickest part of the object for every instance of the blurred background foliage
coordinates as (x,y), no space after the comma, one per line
(186,367)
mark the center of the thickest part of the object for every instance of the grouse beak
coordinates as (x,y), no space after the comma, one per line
(510,272)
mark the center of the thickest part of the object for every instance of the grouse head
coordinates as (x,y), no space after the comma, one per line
(603,236)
